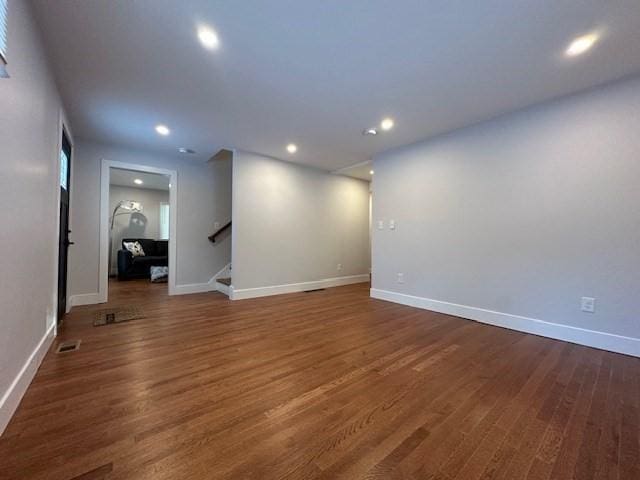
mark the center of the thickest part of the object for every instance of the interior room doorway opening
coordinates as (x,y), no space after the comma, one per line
(138,226)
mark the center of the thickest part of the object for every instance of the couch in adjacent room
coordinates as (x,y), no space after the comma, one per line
(156,254)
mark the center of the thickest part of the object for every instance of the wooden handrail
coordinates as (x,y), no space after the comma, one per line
(212,238)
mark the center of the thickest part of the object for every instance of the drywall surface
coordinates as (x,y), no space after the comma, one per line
(30,132)
(294,224)
(523,215)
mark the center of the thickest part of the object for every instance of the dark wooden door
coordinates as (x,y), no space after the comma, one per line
(63,251)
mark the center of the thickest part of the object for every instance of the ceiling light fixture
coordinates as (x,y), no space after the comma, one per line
(581,44)
(163,130)
(186,150)
(208,38)
(292,148)
(386,124)
(370,131)
(371,172)
(137,181)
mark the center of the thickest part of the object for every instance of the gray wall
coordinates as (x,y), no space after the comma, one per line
(294,224)
(204,197)
(29,138)
(521,215)
(124,227)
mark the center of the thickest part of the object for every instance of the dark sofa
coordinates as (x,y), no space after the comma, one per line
(156,254)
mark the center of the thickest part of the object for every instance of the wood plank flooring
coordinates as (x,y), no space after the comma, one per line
(323,385)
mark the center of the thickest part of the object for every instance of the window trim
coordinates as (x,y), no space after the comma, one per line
(161,223)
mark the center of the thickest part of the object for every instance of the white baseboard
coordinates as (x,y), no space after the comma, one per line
(210,286)
(188,288)
(241,294)
(84,299)
(11,398)
(581,336)
(222,288)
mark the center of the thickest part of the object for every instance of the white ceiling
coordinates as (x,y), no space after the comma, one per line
(125,178)
(318,72)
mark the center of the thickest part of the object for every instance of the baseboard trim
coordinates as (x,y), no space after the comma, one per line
(245,293)
(84,299)
(210,286)
(590,338)
(12,397)
(189,288)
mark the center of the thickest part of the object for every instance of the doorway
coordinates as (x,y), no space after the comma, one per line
(63,234)
(137,227)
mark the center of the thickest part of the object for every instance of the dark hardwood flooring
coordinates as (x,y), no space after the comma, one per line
(322,385)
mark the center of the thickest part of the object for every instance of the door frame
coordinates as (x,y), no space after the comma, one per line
(105,177)
(63,127)
(64,134)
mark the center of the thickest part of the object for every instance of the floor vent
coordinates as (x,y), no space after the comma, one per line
(68,346)
(314,290)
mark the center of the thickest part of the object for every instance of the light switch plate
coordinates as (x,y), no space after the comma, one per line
(392,224)
(380,224)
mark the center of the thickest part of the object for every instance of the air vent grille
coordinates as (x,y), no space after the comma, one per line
(68,346)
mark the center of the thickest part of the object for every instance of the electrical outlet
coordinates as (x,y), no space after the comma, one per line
(401,278)
(339,266)
(392,224)
(216,225)
(588,304)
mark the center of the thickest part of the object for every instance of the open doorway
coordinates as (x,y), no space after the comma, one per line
(137,247)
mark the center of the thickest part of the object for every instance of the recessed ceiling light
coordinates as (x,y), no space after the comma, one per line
(208,38)
(292,148)
(163,130)
(582,44)
(371,172)
(137,181)
(186,150)
(370,131)
(386,124)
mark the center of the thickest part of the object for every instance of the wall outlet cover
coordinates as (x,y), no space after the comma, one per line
(588,304)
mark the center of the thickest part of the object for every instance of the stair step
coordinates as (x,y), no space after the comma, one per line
(224,281)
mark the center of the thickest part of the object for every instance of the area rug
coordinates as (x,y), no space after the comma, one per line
(117,315)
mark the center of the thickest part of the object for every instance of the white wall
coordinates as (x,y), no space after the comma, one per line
(204,197)
(294,224)
(123,227)
(522,215)
(30,134)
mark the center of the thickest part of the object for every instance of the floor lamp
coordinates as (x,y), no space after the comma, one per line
(127,207)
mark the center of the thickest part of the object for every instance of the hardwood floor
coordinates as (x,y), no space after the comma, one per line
(326,385)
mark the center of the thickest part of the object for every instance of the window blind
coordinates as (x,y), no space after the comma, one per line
(3,37)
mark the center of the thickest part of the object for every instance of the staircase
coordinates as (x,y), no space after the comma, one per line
(223,285)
